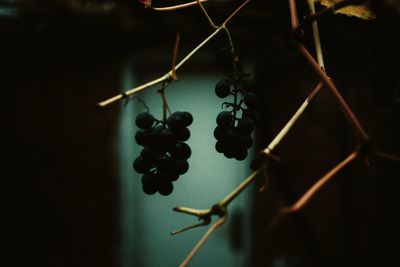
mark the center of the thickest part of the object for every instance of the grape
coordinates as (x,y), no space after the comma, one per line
(168,175)
(229,154)
(180,166)
(224,118)
(219,147)
(245,126)
(223,88)
(229,136)
(241,154)
(149,183)
(251,100)
(166,137)
(218,133)
(180,150)
(187,118)
(247,141)
(163,162)
(149,153)
(182,134)
(144,120)
(141,165)
(175,121)
(140,138)
(165,187)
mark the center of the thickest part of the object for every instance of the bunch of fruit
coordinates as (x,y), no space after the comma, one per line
(164,155)
(233,134)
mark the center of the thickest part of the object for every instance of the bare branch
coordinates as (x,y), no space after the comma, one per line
(210,21)
(310,193)
(201,242)
(289,125)
(177,7)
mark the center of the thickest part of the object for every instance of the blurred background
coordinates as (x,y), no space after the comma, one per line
(69,195)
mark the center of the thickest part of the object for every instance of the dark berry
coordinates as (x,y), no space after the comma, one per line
(167,137)
(229,154)
(141,165)
(241,154)
(168,175)
(180,150)
(245,126)
(165,187)
(223,88)
(175,121)
(140,138)
(149,183)
(218,133)
(229,136)
(219,147)
(187,118)
(224,119)
(182,134)
(163,162)
(149,154)
(144,120)
(180,166)
(247,141)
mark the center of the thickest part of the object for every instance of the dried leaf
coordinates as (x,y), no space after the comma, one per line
(362,11)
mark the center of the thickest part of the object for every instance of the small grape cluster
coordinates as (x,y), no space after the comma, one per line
(233,134)
(164,155)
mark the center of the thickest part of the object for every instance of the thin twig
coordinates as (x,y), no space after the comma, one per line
(201,242)
(210,21)
(289,125)
(386,156)
(176,7)
(235,12)
(310,193)
(174,56)
(317,40)
(228,199)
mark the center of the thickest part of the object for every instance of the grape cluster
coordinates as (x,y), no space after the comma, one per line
(233,134)
(164,155)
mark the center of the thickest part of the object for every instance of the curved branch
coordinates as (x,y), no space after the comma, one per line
(177,7)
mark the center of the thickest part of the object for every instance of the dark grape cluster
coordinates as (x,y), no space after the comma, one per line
(233,134)
(164,155)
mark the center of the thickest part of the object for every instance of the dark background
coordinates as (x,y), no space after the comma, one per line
(59,186)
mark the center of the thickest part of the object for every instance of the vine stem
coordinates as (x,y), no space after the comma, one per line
(289,125)
(169,74)
(210,21)
(307,196)
(229,198)
(177,7)
(201,242)
(317,39)
(310,193)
